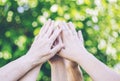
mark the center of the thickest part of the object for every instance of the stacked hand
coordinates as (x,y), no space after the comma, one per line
(56,45)
(64,48)
(52,40)
(42,47)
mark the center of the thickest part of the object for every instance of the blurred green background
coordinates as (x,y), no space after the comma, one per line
(99,20)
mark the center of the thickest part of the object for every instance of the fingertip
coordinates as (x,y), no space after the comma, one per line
(52,22)
(63,25)
(80,35)
(49,19)
(60,25)
(70,22)
(79,32)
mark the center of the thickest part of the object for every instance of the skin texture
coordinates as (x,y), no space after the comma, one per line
(58,71)
(44,48)
(74,72)
(62,69)
(96,69)
(32,74)
(41,50)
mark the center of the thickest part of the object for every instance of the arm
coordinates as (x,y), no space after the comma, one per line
(96,69)
(39,53)
(74,72)
(71,68)
(16,69)
(58,70)
(32,74)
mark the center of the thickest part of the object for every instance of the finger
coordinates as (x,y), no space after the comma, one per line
(36,37)
(80,36)
(57,48)
(45,27)
(60,40)
(67,28)
(63,31)
(51,28)
(55,43)
(65,25)
(55,35)
(72,27)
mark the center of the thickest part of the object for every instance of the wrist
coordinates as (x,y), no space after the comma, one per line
(32,60)
(82,55)
(83,51)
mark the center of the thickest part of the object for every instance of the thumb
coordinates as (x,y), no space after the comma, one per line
(80,36)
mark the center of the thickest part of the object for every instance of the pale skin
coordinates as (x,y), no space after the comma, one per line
(74,72)
(95,68)
(62,70)
(58,71)
(62,73)
(39,53)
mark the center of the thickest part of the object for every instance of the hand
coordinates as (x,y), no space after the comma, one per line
(56,58)
(73,42)
(41,49)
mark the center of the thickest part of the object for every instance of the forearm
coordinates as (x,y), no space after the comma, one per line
(96,69)
(32,74)
(16,69)
(74,74)
(58,72)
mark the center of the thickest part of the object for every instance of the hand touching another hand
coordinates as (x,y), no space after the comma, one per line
(75,51)
(41,49)
(73,42)
(61,67)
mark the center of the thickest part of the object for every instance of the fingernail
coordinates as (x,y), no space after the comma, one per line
(49,19)
(52,21)
(79,31)
(70,22)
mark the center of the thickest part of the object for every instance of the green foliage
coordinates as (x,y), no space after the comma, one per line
(99,20)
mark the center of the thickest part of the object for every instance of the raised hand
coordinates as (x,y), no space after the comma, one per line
(73,44)
(75,50)
(73,70)
(40,51)
(41,48)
